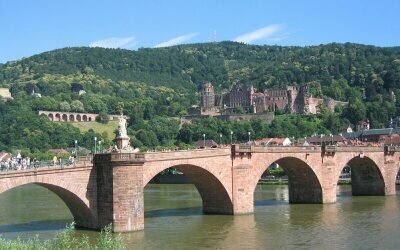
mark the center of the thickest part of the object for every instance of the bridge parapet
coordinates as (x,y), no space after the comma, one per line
(275,149)
(121,157)
(358,149)
(390,149)
(308,149)
(135,157)
(186,154)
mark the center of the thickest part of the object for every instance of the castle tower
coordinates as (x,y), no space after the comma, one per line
(207,96)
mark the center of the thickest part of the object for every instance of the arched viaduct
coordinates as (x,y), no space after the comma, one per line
(58,116)
(112,190)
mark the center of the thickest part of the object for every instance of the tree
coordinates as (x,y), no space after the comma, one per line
(94,104)
(103,117)
(238,110)
(147,137)
(64,106)
(77,106)
(355,111)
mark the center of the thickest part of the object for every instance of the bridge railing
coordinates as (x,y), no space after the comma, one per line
(13,166)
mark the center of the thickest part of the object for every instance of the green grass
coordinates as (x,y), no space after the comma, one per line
(100,128)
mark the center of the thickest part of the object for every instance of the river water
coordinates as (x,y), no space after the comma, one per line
(173,220)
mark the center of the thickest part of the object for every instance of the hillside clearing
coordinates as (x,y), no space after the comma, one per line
(100,128)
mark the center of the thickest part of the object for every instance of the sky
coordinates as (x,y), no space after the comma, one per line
(30,27)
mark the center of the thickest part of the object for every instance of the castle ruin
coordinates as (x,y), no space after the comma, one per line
(292,99)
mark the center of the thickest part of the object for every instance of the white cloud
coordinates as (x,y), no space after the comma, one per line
(266,33)
(176,40)
(115,42)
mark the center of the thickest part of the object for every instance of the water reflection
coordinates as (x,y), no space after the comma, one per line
(174,220)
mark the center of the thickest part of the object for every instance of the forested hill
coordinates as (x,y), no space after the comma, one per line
(186,67)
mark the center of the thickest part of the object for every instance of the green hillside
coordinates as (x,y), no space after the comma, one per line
(150,85)
(101,128)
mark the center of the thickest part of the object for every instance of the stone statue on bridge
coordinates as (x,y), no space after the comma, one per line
(122,126)
(123,138)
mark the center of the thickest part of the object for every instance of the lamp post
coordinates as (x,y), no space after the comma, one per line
(231,136)
(204,140)
(220,139)
(249,135)
(95,144)
(100,146)
(76,148)
(331,139)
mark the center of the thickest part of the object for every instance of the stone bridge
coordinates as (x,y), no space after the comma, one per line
(111,191)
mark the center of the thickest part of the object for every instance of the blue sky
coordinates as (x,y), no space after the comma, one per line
(31,27)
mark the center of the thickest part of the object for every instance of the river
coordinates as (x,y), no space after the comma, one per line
(173,220)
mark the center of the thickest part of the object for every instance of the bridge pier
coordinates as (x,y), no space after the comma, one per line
(242,191)
(120,191)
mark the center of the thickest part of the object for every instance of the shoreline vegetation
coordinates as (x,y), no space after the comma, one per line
(66,240)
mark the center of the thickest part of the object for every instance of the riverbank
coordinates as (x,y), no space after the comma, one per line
(68,240)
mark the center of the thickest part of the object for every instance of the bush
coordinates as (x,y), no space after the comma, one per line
(67,240)
(103,117)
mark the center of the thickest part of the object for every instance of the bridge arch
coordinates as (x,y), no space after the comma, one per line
(216,198)
(303,181)
(304,185)
(366,176)
(72,195)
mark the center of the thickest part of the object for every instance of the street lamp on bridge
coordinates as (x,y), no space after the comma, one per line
(204,140)
(220,139)
(249,135)
(231,136)
(76,148)
(95,144)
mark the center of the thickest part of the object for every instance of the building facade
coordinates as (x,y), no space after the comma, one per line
(292,99)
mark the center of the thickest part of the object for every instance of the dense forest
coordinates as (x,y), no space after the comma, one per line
(153,85)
